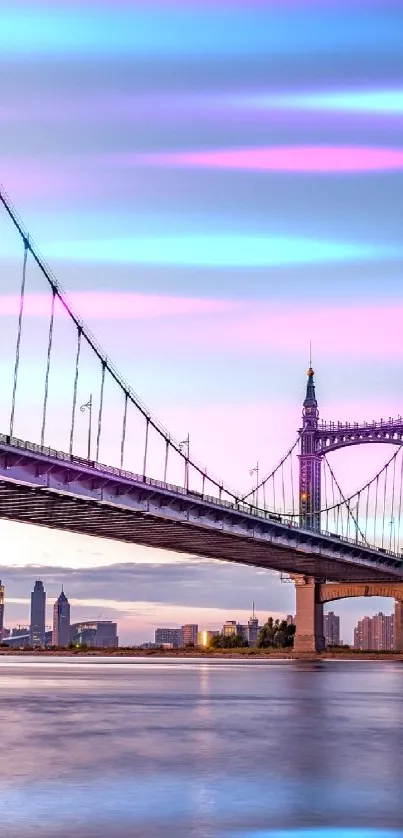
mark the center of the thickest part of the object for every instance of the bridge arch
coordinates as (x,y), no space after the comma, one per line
(312,594)
(325,446)
(331,591)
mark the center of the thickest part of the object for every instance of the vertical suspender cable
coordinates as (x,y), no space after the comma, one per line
(166,460)
(145,449)
(292,485)
(384,507)
(274,495)
(282,485)
(400,500)
(73,410)
(18,344)
(50,339)
(357,517)
(264,494)
(392,514)
(101,404)
(376,506)
(123,440)
(326,503)
(366,513)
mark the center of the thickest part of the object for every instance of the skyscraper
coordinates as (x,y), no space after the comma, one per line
(38,609)
(1,610)
(61,621)
(375,633)
(189,634)
(331,629)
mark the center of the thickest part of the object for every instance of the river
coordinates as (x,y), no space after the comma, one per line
(95,748)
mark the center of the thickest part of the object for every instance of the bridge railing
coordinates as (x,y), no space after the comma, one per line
(382,424)
(245,508)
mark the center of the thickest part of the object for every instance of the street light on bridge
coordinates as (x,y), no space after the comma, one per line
(255,492)
(88,406)
(184,446)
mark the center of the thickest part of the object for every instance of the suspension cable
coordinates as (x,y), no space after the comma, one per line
(17,349)
(101,405)
(73,411)
(99,352)
(269,476)
(123,440)
(50,340)
(346,501)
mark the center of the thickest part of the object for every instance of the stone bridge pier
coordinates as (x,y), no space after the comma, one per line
(311,594)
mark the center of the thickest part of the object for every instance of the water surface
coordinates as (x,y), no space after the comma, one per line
(194,749)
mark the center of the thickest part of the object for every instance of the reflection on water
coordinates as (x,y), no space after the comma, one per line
(189,749)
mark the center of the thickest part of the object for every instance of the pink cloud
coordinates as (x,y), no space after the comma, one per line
(262,327)
(331,159)
(116,306)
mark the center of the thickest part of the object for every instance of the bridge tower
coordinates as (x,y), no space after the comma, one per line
(309,460)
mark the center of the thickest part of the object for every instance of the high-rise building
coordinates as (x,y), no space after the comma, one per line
(101,634)
(61,621)
(375,633)
(189,634)
(168,637)
(331,629)
(38,610)
(252,628)
(1,610)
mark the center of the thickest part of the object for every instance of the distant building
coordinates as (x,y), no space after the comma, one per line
(331,629)
(38,611)
(230,629)
(19,631)
(168,636)
(189,634)
(290,620)
(248,633)
(205,638)
(253,629)
(375,633)
(61,621)
(22,638)
(97,634)
(1,610)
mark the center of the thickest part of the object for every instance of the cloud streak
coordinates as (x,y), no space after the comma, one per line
(117,306)
(297,159)
(251,251)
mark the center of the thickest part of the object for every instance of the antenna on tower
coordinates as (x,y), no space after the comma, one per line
(310,354)
(253,610)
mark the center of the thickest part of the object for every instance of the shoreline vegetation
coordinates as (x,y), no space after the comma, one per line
(206,653)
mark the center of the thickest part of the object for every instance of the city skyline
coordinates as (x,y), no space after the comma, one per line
(274,200)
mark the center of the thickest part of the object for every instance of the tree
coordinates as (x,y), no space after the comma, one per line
(276,633)
(232,641)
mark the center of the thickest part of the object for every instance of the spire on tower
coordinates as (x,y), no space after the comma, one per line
(310,398)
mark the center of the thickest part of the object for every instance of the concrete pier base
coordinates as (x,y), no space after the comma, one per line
(309,616)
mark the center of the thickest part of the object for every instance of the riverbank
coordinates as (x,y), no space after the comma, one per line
(206,654)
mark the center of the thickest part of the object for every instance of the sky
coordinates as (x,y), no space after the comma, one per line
(215,184)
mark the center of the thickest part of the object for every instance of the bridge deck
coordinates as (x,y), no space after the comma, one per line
(55,490)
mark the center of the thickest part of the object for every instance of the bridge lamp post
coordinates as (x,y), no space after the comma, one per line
(184,446)
(255,493)
(84,407)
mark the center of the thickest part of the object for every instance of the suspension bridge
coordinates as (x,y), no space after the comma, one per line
(297,520)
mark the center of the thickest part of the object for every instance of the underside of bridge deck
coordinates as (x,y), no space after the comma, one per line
(43,507)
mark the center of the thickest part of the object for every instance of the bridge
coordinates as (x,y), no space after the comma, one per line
(297,520)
